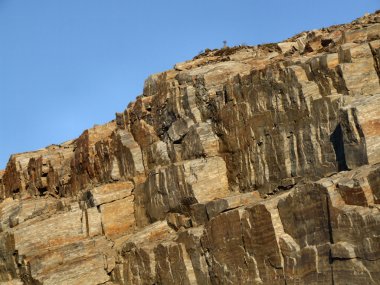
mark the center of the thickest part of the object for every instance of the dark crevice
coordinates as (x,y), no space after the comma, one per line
(326,42)
(336,138)
(89,199)
(285,187)
(329,220)
(179,141)
(42,191)
(87,223)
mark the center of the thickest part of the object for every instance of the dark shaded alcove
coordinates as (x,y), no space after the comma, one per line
(336,139)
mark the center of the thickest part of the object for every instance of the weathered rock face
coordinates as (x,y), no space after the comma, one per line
(245,165)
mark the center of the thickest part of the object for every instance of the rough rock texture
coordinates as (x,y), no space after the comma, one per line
(245,165)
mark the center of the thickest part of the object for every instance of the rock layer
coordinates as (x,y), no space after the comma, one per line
(245,165)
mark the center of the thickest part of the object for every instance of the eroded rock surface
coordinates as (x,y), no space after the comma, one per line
(245,165)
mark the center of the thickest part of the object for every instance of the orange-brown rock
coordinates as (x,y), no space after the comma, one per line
(244,165)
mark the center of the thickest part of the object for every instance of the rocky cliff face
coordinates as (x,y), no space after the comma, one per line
(245,165)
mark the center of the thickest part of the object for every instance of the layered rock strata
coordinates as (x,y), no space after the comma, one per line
(245,165)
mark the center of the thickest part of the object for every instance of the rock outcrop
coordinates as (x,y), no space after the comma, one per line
(245,165)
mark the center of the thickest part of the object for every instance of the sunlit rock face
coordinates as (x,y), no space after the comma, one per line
(245,165)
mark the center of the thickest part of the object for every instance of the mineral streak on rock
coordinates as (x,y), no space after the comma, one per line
(244,165)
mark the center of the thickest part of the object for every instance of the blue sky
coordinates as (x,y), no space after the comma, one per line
(67,65)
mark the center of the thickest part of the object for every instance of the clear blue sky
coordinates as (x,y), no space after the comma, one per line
(66,65)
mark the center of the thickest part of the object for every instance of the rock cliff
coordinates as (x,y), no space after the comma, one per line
(244,165)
